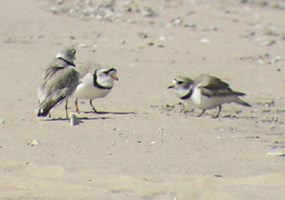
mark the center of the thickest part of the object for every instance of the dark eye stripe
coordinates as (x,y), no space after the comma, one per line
(112,69)
(108,71)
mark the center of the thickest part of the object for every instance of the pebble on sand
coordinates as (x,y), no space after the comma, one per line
(33,143)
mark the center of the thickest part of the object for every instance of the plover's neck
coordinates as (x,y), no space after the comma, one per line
(97,85)
(67,62)
(187,95)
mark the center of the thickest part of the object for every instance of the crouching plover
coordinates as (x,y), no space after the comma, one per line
(95,84)
(60,80)
(206,92)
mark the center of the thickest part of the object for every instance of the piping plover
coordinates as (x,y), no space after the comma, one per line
(60,80)
(206,92)
(95,84)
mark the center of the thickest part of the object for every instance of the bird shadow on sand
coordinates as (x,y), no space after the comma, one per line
(96,116)
(79,119)
(108,112)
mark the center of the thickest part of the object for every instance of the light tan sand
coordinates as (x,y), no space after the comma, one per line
(144,146)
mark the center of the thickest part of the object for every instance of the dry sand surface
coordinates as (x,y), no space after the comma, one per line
(144,145)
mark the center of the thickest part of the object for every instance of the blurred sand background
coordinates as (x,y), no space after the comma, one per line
(144,146)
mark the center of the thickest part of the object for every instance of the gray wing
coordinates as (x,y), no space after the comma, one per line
(59,83)
(212,87)
(54,66)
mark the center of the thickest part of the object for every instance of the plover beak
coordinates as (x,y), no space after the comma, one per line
(115,77)
(170,87)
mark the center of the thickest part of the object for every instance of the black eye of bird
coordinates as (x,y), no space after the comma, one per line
(179,82)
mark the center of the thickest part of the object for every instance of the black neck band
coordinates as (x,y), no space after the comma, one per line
(67,62)
(97,85)
(187,96)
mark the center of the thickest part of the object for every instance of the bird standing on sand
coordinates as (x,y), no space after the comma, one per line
(95,84)
(60,80)
(206,92)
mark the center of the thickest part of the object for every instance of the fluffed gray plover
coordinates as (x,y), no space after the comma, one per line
(59,81)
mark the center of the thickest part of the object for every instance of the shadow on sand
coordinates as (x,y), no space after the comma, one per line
(107,112)
(96,116)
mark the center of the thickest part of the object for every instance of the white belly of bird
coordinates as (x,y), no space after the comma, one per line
(204,102)
(88,91)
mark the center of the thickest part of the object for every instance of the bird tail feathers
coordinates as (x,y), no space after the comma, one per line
(46,106)
(243,103)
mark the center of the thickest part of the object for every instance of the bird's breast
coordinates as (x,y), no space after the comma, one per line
(88,91)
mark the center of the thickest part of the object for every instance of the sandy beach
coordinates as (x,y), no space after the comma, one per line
(144,145)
